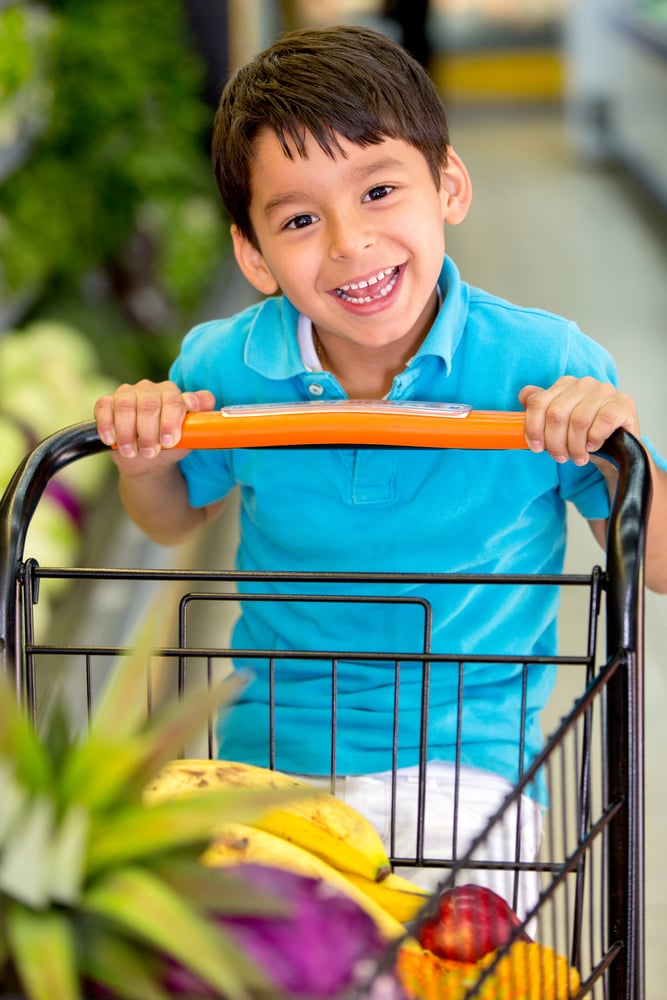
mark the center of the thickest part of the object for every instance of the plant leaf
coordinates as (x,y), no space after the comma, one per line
(145,907)
(121,708)
(43,952)
(13,797)
(121,966)
(98,769)
(141,830)
(24,868)
(67,856)
(20,743)
(57,738)
(170,729)
(220,890)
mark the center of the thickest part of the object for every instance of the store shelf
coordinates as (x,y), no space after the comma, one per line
(636,125)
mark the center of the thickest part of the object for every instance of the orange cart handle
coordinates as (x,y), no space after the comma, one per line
(378,423)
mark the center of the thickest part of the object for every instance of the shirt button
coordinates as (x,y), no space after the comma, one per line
(315,389)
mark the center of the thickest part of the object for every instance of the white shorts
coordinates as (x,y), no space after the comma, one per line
(481,793)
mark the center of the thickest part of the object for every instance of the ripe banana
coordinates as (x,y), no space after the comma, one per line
(324,825)
(399,897)
(237,843)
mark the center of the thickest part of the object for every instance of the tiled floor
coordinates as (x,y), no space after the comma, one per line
(548,231)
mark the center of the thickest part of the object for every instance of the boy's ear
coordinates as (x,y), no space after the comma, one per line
(252,264)
(455,189)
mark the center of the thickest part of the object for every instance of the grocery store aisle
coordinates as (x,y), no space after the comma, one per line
(548,231)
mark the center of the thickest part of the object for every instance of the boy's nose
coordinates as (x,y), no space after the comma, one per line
(349,237)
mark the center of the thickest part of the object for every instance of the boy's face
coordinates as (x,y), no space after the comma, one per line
(355,242)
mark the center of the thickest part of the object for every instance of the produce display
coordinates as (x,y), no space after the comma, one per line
(50,378)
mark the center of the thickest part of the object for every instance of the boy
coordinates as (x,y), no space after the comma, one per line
(332,154)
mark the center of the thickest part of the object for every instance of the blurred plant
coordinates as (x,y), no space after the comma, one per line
(117,181)
(98,889)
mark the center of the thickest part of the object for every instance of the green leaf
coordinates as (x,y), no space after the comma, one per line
(13,797)
(67,856)
(43,952)
(98,771)
(140,831)
(57,736)
(219,890)
(122,966)
(142,905)
(20,742)
(121,708)
(24,869)
(170,729)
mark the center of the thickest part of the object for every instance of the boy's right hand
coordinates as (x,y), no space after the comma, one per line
(145,421)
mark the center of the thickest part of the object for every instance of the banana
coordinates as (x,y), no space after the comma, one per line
(237,843)
(324,825)
(399,897)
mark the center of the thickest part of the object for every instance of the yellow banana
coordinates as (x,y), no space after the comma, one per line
(237,843)
(324,825)
(399,897)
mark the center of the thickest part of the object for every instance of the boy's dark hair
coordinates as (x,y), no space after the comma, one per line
(343,80)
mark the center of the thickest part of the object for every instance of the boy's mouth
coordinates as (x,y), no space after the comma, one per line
(369,289)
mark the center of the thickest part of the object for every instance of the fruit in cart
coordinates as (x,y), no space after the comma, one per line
(98,887)
(321,823)
(470,921)
(239,843)
(321,946)
(525,971)
(401,898)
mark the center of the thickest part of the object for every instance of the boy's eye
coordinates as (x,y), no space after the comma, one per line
(376,193)
(300,221)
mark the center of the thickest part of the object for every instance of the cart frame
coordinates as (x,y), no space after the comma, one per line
(622,581)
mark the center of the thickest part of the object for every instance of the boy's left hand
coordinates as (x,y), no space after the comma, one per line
(575,416)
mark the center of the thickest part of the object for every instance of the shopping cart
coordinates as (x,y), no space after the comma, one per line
(589,904)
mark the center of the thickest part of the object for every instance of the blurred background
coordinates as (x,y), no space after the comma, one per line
(113,241)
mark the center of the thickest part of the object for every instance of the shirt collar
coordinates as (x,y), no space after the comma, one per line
(273,349)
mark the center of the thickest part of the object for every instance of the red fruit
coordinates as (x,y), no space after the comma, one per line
(471,921)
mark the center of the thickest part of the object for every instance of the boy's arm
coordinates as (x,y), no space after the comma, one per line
(571,420)
(145,421)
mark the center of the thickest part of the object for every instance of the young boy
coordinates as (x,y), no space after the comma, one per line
(332,154)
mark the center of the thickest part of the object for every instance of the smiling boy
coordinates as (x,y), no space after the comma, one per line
(332,153)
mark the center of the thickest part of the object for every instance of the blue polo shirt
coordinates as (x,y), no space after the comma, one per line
(396,510)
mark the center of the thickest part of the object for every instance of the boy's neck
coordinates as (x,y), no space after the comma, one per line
(362,377)
(368,372)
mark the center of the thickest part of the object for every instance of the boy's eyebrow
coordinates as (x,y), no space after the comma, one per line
(286,198)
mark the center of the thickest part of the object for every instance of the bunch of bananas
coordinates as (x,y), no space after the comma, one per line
(318,835)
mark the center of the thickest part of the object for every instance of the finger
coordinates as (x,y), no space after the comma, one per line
(201,401)
(616,410)
(155,406)
(538,403)
(173,407)
(103,411)
(125,420)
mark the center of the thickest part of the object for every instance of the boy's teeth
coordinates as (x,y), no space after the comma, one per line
(391,274)
(354,286)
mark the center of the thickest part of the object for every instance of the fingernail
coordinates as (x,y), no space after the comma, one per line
(581,461)
(536,446)
(167,441)
(149,452)
(108,438)
(127,451)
